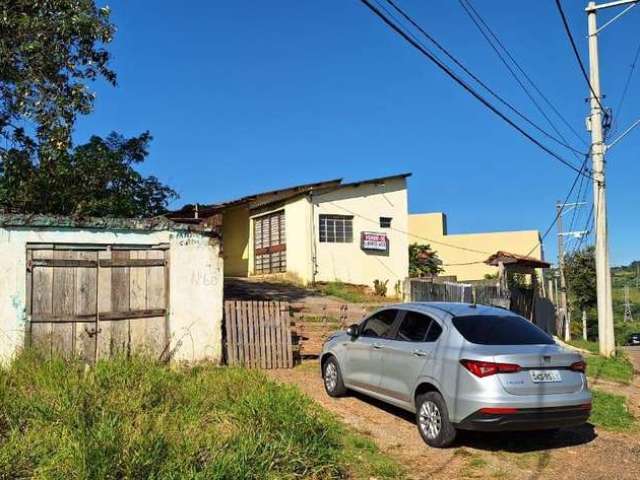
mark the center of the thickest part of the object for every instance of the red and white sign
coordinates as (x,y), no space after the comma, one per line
(374,241)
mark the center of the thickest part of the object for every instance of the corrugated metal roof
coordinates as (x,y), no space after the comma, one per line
(262,199)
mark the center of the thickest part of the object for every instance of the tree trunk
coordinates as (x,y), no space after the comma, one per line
(584,324)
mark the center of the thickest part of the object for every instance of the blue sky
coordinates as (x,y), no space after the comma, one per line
(246,96)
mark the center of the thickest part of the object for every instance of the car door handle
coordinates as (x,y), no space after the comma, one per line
(377,346)
(420,353)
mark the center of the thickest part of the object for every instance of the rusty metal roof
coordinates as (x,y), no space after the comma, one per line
(508,258)
(262,199)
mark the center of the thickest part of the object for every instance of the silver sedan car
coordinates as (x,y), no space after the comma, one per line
(459,367)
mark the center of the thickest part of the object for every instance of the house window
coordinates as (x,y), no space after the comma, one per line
(385,222)
(336,229)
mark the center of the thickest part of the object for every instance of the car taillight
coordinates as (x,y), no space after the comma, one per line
(484,369)
(578,366)
(499,410)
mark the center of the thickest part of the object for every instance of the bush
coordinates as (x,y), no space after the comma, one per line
(137,419)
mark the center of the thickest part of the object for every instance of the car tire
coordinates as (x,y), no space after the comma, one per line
(432,418)
(332,378)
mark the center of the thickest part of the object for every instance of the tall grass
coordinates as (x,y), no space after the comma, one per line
(136,419)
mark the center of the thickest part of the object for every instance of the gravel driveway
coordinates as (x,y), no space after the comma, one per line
(579,453)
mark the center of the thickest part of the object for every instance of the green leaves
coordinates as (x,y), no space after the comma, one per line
(423,261)
(48,50)
(94,179)
(580,270)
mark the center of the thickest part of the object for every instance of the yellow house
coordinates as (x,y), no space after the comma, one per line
(327,231)
(463,255)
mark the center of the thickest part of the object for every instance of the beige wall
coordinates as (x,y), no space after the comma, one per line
(297,221)
(347,262)
(235,237)
(333,261)
(431,228)
(195,315)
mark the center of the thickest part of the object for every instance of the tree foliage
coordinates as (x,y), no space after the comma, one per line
(423,261)
(95,179)
(580,271)
(49,49)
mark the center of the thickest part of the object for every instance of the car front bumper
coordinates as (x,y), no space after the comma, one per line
(527,419)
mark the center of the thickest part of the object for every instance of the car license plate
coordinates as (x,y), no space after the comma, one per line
(545,376)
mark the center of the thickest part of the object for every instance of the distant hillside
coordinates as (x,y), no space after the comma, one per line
(626,275)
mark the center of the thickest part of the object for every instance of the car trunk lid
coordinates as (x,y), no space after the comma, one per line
(544,369)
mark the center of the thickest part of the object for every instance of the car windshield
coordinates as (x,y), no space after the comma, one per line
(500,330)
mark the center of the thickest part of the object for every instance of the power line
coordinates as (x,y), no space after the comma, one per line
(430,240)
(559,212)
(467,87)
(577,54)
(588,227)
(479,81)
(618,109)
(477,19)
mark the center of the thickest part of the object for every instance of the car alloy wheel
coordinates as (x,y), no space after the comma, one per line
(430,420)
(331,376)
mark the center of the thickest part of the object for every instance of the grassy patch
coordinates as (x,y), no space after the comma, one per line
(133,419)
(585,345)
(617,369)
(611,412)
(364,460)
(349,293)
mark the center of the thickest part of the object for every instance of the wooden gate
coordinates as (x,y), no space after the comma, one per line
(270,246)
(258,334)
(98,301)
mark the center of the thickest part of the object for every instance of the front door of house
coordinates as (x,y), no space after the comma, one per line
(269,243)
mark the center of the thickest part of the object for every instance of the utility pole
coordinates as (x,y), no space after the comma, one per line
(628,317)
(563,311)
(564,314)
(598,148)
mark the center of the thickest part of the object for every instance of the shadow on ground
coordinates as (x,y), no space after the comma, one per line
(243,289)
(512,442)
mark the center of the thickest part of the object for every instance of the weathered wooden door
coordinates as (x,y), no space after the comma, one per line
(270,244)
(97,301)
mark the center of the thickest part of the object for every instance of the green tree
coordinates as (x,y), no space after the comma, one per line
(94,179)
(423,261)
(580,272)
(49,49)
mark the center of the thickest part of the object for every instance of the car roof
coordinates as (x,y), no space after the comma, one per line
(453,308)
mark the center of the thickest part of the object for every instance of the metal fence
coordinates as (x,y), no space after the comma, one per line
(428,290)
(433,290)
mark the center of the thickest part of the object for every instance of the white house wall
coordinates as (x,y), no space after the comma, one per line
(196,283)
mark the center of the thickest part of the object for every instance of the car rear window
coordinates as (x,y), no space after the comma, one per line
(499,330)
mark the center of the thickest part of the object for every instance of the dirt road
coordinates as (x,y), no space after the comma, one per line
(580,453)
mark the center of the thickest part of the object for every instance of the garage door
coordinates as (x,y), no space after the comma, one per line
(98,301)
(270,245)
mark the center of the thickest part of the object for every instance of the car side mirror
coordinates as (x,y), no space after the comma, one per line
(353,330)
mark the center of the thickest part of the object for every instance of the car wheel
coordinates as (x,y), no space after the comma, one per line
(433,422)
(332,377)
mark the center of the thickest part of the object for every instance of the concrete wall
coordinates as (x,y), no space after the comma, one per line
(367,202)
(195,316)
(431,228)
(235,237)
